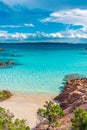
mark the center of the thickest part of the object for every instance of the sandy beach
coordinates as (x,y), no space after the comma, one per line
(25,107)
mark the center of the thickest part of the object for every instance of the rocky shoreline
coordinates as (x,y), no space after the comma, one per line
(73,96)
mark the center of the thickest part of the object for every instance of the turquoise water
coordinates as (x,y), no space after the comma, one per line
(41,66)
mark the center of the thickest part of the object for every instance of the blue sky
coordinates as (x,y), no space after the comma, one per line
(43,20)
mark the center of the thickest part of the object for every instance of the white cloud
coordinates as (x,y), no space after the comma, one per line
(56,35)
(79,33)
(69,34)
(18,36)
(50,35)
(24,36)
(10,26)
(29,25)
(72,16)
(16,26)
(4,35)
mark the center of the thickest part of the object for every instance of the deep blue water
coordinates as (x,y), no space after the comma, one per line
(41,66)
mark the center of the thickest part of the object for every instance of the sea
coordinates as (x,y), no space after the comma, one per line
(40,67)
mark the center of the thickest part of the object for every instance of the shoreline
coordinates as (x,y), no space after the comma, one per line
(26,106)
(27,93)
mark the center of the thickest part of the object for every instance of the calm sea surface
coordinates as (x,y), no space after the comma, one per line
(41,66)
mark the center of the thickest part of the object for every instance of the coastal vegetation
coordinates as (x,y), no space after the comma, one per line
(49,114)
(79,120)
(5,94)
(8,123)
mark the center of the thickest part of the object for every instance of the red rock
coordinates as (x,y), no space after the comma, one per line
(1,63)
(74,94)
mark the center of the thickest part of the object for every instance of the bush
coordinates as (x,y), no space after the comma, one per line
(7,122)
(79,121)
(50,114)
(5,94)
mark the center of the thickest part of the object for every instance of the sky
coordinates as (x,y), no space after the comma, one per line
(43,20)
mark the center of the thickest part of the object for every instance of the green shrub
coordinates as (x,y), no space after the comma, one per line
(79,121)
(7,122)
(50,114)
(5,94)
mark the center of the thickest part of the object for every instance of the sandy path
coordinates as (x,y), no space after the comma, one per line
(25,107)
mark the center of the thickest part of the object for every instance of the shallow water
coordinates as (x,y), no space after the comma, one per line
(41,66)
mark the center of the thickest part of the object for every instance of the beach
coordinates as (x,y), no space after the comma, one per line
(43,64)
(38,75)
(25,107)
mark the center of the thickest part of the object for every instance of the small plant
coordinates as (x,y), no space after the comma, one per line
(5,94)
(7,122)
(50,114)
(79,121)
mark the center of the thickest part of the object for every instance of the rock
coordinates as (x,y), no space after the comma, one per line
(6,64)
(1,63)
(10,63)
(73,95)
(64,104)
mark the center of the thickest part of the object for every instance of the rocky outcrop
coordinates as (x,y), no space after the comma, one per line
(74,95)
(7,63)
(10,63)
(1,63)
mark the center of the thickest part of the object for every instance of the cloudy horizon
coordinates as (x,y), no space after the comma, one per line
(35,20)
